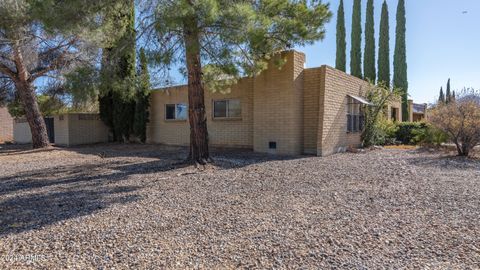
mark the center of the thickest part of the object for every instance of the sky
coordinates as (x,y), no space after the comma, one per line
(442,42)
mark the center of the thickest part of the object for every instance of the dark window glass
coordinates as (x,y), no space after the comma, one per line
(170,111)
(220,108)
(349,123)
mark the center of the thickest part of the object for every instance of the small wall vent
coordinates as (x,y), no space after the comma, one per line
(272,145)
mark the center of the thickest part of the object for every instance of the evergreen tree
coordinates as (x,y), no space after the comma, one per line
(44,39)
(384,48)
(448,97)
(369,60)
(218,39)
(400,79)
(454,96)
(341,60)
(142,99)
(356,50)
(441,98)
(117,98)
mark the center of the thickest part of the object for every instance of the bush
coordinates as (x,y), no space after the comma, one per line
(429,136)
(385,132)
(406,131)
(460,119)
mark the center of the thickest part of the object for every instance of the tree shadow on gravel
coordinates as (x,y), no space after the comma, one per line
(34,211)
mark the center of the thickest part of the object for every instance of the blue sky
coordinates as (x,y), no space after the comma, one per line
(442,43)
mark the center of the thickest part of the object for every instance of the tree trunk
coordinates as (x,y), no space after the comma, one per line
(196,100)
(26,91)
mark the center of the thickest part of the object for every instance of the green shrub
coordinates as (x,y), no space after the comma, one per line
(385,132)
(407,131)
(429,136)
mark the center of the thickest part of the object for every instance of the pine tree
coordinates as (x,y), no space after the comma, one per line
(369,60)
(384,48)
(341,60)
(441,98)
(356,50)
(448,97)
(226,39)
(117,99)
(400,79)
(142,99)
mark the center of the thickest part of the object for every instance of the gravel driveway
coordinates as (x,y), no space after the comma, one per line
(131,206)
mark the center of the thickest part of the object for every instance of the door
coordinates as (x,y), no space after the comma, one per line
(50,129)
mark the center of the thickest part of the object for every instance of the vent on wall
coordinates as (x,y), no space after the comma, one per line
(272,145)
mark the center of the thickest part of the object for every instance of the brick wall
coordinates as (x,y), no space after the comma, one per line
(313,79)
(6,125)
(79,128)
(278,106)
(333,136)
(236,132)
(301,110)
(21,131)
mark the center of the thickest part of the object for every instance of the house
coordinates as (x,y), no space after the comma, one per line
(290,110)
(417,112)
(6,125)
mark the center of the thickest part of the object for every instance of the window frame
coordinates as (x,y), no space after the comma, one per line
(227,109)
(175,112)
(355,116)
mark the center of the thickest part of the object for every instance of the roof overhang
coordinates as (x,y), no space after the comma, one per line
(361,100)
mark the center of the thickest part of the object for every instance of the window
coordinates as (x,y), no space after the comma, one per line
(176,111)
(355,116)
(229,108)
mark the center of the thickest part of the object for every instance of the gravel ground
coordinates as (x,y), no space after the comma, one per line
(113,206)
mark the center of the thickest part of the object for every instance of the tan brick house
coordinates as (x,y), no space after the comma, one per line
(290,110)
(6,125)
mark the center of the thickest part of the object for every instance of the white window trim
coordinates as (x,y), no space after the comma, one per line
(227,109)
(176,119)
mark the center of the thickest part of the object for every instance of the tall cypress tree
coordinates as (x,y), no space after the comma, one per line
(441,98)
(142,99)
(400,79)
(384,47)
(448,97)
(341,61)
(356,50)
(117,98)
(369,60)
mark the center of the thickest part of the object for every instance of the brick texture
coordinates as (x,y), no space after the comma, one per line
(6,125)
(302,110)
(236,132)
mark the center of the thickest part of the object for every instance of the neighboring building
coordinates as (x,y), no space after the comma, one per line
(6,125)
(417,112)
(292,110)
(67,129)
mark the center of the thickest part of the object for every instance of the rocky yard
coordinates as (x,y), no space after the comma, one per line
(133,206)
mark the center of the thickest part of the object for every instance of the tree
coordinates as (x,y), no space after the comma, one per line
(448,97)
(356,50)
(384,48)
(400,79)
(142,99)
(39,39)
(118,75)
(379,96)
(460,120)
(215,39)
(369,60)
(341,60)
(441,98)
